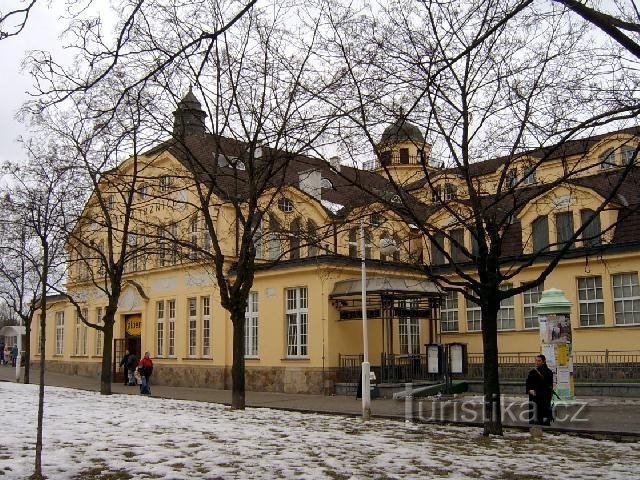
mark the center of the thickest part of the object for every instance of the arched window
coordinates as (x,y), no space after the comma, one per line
(313,240)
(294,239)
(275,248)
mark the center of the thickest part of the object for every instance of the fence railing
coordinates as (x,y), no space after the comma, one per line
(588,366)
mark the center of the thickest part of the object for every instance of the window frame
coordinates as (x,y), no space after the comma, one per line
(529,309)
(449,313)
(297,322)
(622,300)
(251,326)
(59,346)
(192,327)
(598,301)
(474,308)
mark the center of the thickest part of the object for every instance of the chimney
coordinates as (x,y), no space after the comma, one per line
(310,181)
(335,163)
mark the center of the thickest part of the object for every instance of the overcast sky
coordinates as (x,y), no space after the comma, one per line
(40,33)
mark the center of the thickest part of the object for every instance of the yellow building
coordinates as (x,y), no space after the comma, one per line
(303,318)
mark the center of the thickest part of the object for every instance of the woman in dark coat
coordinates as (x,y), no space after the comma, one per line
(540,390)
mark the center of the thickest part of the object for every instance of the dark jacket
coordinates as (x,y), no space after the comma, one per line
(123,362)
(540,380)
(132,361)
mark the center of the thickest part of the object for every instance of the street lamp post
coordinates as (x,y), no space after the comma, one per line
(366,367)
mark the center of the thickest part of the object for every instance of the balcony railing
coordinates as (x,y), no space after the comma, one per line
(589,366)
(392,160)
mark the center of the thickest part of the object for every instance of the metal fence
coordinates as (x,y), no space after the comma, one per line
(588,366)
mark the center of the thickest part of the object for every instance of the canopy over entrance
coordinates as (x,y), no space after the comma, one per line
(389,298)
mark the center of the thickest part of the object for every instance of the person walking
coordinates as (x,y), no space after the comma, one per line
(7,355)
(125,368)
(132,364)
(14,354)
(539,386)
(145,368)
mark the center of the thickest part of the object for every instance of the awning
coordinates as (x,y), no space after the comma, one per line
(397,287)
(12,331)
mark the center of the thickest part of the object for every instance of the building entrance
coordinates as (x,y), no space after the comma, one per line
(132,341)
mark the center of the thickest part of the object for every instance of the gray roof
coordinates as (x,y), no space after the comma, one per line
(386,285)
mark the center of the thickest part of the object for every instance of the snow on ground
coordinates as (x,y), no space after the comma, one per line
(88,436)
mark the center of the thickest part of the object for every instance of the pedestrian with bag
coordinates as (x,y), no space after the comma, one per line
(539,386)
(146,369)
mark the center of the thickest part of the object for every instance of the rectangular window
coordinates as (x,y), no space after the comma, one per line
(251,326)
(529,174)
(171,350)
(474,316)
(404,156)
(80,339)
(540,232)
(409,329)
(530,299)
(457,245)
(607,159)
(437,247)
(449,313)
(192,322)
(564,227)
(626,298)
(628,155)
(59,333)
(591,233)
(205,303)
(297,322)
(165,183)
(193,237)
(173,255)
(506,315)
(590,301)
(99,333)
(160,329)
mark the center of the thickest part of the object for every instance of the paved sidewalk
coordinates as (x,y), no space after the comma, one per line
(609,416)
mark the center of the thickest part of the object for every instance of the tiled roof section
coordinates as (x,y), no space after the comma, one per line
(563,150)
(200,154)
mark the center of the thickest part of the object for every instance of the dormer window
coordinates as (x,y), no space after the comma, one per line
(395,199)
(376,219)
(628,155)
(326,184)
(607,159)
(512,178)
(529,174)
(450,191)
(285,205)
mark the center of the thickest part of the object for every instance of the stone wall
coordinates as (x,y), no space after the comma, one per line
(259,379)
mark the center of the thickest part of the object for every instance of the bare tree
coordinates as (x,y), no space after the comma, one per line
(14,18)
(482,78)
(623,25)
(19,271)
(256,84)
(39,196)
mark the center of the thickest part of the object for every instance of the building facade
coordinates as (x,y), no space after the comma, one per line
(303,316)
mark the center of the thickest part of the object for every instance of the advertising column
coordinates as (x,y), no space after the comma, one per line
(555,336)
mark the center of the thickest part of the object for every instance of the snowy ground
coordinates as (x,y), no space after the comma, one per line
(91,437)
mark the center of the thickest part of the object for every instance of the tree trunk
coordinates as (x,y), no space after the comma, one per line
(37,473)
(237,368)
(492,407)
(107,355)
(27,350)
